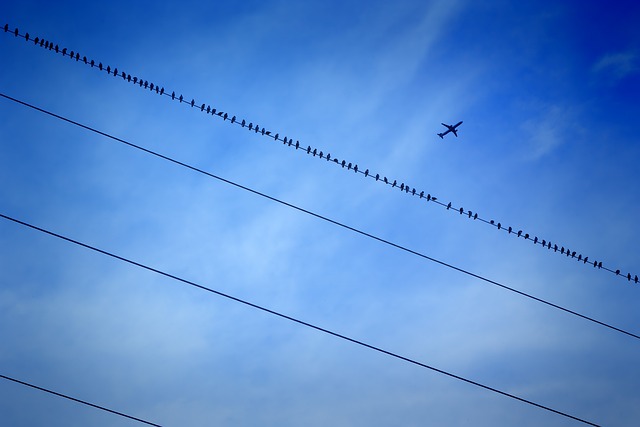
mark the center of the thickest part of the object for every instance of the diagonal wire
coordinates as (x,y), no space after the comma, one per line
(309,150)
(84,402)
(298,321)
(324,218)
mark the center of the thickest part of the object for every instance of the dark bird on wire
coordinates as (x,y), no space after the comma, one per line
(635,279)
(173,95)
(251,126)
(6,27)
(37,40)
(315,151)
(263,131)
(321,154)
(257,129)
(377,176)
(276,137)
(617,272)
(394,183)
(233,119)
(421,194)
(284,141)
(366,172)
(267,132)
(243,123)
(510,229)
(499,225)
(181,98)
(343,163)
(202,107)
(462,210)
(26,37)
(519,233)
(385,180)
(475,216)
(193,101)
(298,146)
(348,166)
(449,206)
(586,259)
(16,32)
(224,118)
(328,155)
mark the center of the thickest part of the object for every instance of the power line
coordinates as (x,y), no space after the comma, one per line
(324,218)
(310,150)
(296,320)
(84,402)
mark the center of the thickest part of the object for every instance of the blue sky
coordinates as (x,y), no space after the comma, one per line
(548,94)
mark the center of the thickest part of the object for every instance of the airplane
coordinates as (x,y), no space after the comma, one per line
(450,129)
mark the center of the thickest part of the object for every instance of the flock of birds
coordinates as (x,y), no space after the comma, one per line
(312,151)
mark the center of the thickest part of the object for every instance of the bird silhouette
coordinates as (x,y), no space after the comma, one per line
(469,214)
(428,197)
(16,32)
(233,119)
(449,206)
(328,154)
(37,39)
(421,194)
(402,186)
(413,191)
(635,279)
(298,146)
(629,276)
(263,131)
(562,250)
(475,216)
(510,229)
(366,172)
(224,118)
(355,168)
(586,259)
(213,111)
(315,151)
(84,59)
(64,51)
(519,233)
(499,225)
(193,101)
(6,27)
(162,91)
(461,210)
(243,123)
(26,36)
(56,48)
(555,248)
(256,129)
(344,163)
(268,132)
(535,240)
(394,183)
(276,137)
(202,107)
(321,154)
(284,140)
(617,272)
(377,176)
(251,126)
(385,180)
(219,113)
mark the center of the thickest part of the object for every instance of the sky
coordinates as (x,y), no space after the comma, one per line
(548,95)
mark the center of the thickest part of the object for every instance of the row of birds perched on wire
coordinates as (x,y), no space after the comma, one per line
(309,150)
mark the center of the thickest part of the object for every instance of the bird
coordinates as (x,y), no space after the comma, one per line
(413,191)
(26,36)
(526,236)
(251,126)
(181,98)
(394,183)
(449,206)
(461,210)
(219,113)
(263,131)
(355,168)
(402,186)
(298,146)
(225,116)
(580,257)
(213,111)
(343,163)
(193,101)
(535,240)
(499,225)
(629,276)
(268,132)
(635,279)
(617,272)
(385,180)
(202,107)
(519,233)
(510,229)
(243,123)
(555,248)
(586,259)
(328,154)
(377,176)
(6,27)
(173,95)
(276,137)
(36,40)
(562,250)
(573,254)
(315,151)
(284,141)
(492,222)
(233,119)
(64,51)
(428,197)
(257,129)
(162,91)
(321,154)
(56,48)
(16,32)
(366,172)
(421,194)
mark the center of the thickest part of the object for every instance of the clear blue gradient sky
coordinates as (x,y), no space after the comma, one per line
(548,92)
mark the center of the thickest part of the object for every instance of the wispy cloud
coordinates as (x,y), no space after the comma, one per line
(616,66)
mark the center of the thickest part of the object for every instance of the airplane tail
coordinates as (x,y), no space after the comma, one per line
(441,135)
